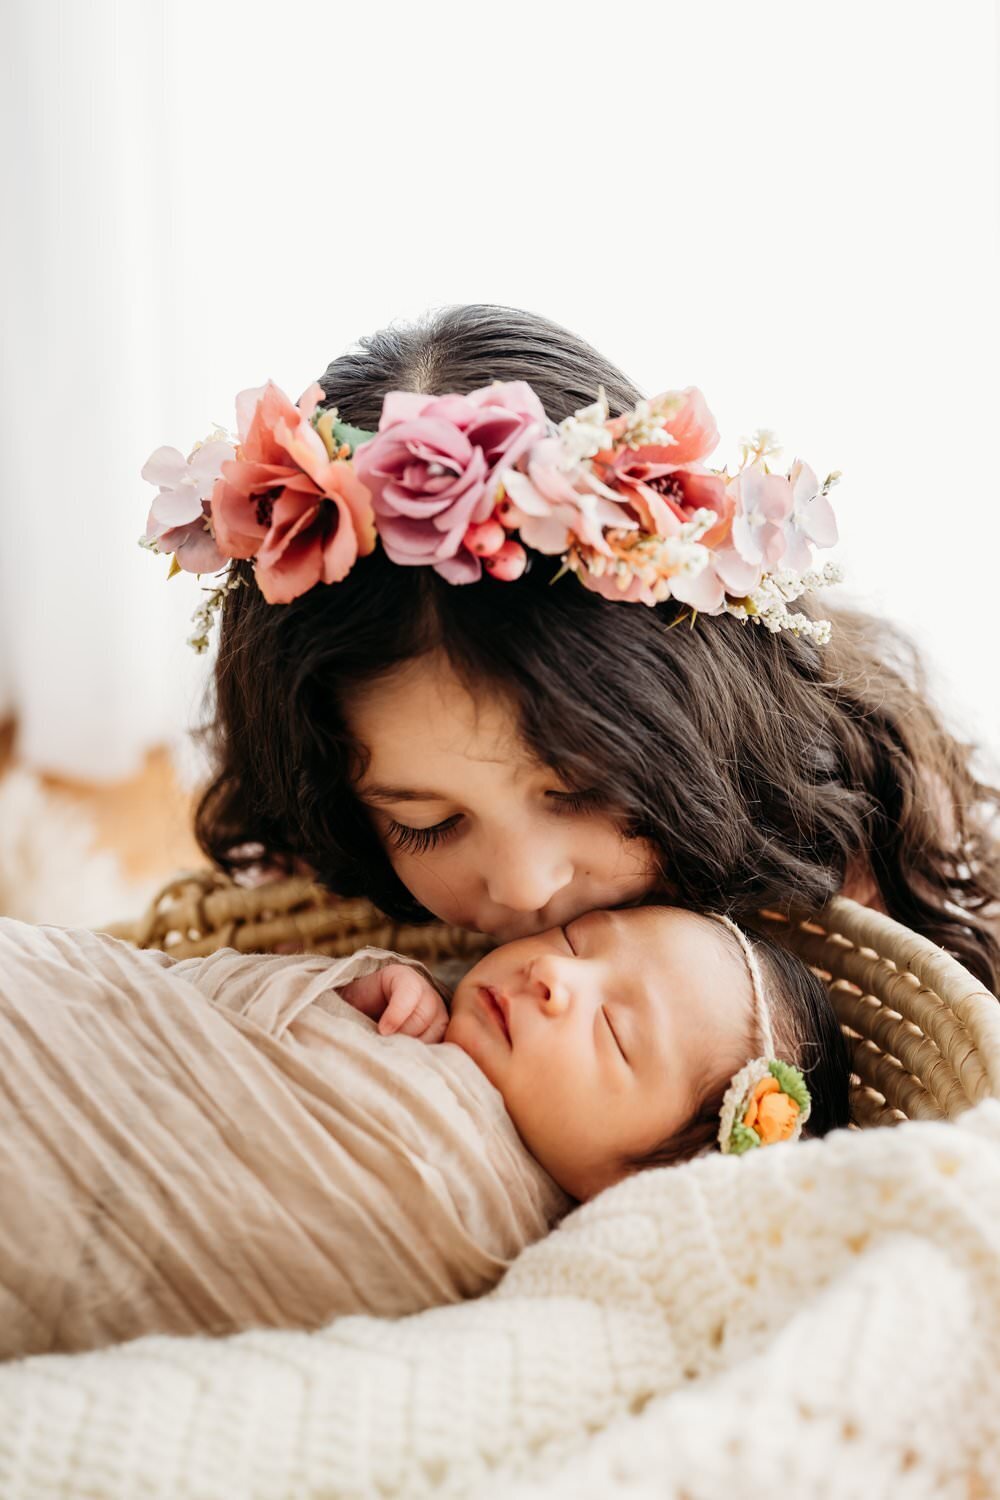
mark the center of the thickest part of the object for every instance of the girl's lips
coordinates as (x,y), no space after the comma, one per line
(496,1008)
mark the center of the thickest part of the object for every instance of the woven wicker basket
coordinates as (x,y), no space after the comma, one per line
(924,1033)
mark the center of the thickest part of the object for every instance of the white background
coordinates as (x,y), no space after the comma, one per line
(793,206)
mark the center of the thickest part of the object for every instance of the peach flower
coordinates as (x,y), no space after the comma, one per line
(667,482)
(304,516)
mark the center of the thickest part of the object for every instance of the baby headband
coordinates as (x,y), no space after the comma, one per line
(768,1100)
(466,482)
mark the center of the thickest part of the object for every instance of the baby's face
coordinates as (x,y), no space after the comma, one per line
(599,1035)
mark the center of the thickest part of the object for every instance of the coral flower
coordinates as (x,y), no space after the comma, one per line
(305,517)
(666,482)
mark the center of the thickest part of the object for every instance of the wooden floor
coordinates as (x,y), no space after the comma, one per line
(145,820)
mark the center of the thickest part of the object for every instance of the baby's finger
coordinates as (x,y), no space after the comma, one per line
(410,1007)
(437,1028)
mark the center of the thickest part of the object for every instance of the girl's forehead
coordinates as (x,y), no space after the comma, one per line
(423,718)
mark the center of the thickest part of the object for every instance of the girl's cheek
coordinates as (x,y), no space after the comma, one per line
(435,883)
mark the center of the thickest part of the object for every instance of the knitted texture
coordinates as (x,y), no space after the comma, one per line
(822,1318)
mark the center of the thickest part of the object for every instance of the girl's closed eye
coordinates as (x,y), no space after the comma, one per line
(587,800)
(419,840)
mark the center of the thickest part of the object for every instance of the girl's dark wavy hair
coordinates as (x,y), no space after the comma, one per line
(761,767)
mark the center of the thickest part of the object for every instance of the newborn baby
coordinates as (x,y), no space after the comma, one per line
(613,1040)
(204,1145)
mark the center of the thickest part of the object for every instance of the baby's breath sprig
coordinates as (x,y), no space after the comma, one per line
(768,604)
(202,617)
(645,426)
(642,555)
(764,444)
(584,433)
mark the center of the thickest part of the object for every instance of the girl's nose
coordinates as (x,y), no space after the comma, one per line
(521,878)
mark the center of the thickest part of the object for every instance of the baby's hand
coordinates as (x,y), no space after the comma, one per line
(401,1000)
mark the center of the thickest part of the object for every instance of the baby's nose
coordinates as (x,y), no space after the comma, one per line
(550,983)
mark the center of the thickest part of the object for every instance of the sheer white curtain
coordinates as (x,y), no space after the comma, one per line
(794,208)
(92,654)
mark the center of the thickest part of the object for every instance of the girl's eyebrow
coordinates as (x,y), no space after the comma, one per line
(399,794)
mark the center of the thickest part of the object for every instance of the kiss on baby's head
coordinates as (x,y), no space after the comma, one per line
(614,1039)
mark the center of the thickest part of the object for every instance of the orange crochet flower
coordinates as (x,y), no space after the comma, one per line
(770,1112)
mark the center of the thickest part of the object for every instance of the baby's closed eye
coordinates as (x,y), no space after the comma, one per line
(614,1031)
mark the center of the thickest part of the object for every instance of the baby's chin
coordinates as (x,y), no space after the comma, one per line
(467,1031)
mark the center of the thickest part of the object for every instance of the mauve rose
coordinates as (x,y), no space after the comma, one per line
(431,469)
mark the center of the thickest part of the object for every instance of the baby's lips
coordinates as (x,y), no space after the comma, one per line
(501,1005)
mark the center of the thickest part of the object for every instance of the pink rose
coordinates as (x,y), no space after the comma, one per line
(305,517)
(432,468)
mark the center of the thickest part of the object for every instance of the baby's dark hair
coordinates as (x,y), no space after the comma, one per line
(806,1033)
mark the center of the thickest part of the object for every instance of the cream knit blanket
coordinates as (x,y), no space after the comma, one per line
(817,1320)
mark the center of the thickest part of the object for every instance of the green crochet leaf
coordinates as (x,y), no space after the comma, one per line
(791,1081)
(742,1138)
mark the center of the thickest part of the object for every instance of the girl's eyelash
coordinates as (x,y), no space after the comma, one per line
(577,801)
(419,840)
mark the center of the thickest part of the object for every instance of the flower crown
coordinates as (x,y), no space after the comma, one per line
(463,483)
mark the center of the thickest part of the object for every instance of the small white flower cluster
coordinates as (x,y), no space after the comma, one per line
(645,427)
(202,617)
(584,433)
(768,604)
(763,445)
(653,560)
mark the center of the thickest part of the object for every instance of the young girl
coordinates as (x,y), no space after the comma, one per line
(211,1144)
(399,713)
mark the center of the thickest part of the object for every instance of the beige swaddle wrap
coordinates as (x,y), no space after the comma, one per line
(212,1144)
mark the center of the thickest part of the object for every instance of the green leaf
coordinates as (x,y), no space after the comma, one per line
(343,432)
(334,432)
(742,1138)
(791,1081)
